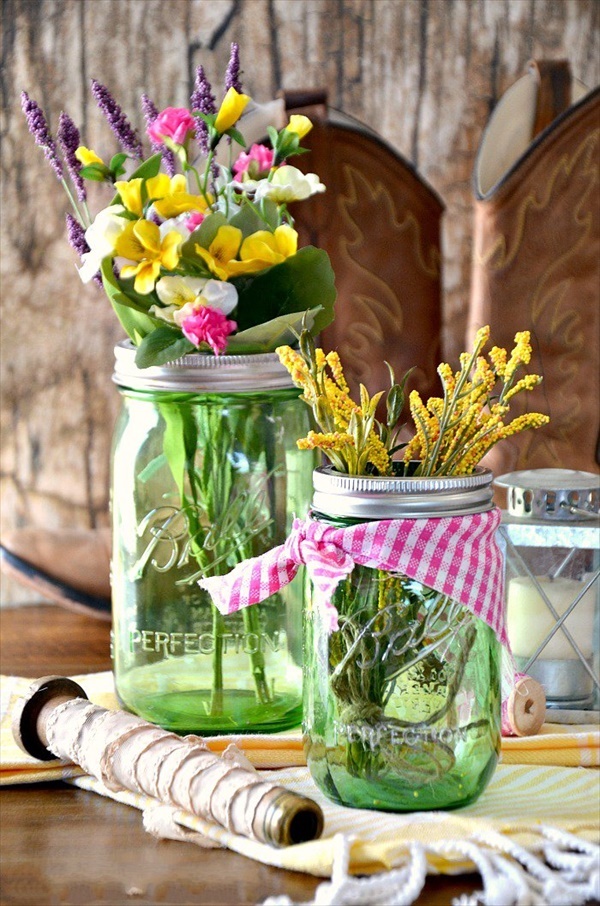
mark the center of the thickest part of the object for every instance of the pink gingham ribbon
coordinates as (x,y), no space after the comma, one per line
(457,556)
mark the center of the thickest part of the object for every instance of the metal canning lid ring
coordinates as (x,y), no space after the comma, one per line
(200,372)
(365,497)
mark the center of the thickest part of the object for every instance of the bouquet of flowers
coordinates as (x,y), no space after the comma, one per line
(197,252)
(452,433)
(202,259)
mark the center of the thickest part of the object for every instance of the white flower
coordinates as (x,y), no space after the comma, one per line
(184,295)
(288,184)
(177,225)
(101,236)
(221,295)
(179,290)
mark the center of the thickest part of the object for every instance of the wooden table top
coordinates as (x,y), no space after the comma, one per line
(59,844)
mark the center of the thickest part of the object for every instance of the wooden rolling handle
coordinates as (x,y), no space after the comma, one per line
(56,720)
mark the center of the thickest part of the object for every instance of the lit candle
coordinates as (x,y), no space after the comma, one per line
(529,619)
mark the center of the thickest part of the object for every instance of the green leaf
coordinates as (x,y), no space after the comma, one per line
(134,319)
(95,172)
(179,442)
(161,346)
(302,282)
(236,136)
(268,336)
(117,161)
(270,211)
(207,231)
(248,221)
(146,170)
(209,118)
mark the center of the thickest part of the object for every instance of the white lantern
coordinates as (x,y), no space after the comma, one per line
(551,529)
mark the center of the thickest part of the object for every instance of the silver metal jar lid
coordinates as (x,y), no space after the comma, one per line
(361,497)
(552,495)
(198,372)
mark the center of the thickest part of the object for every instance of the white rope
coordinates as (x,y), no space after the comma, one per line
(511,874)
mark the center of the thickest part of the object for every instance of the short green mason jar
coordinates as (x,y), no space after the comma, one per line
(402,703)
(205,473)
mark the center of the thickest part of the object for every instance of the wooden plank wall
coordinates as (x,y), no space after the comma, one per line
(423,73)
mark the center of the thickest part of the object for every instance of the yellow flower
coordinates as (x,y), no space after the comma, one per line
(299,124)
(171,197)
(230,110)
(333,360)
(86,157)
(498,359)
(141,242)
(130,193)
(526,383)
(521,354)
(334,440)
(378,454)
(222,252)
(264,249)
(447,378)
(294,363)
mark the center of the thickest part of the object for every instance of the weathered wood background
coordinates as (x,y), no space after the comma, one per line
(424,73)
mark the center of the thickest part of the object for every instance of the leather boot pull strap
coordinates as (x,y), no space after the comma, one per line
(554,91)
(297,99)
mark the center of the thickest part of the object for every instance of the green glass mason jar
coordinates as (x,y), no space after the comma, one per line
(205,473)
(401,703)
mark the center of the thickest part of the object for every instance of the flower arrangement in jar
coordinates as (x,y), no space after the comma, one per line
(197,253)
(404,611)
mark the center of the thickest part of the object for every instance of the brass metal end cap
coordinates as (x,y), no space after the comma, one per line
(288,818)
(26,727)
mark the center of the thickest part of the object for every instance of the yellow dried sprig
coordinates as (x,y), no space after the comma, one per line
(452,433)
(497,357)
(333,360)
(335,412)
(333,440)
(521,354)
(525,383)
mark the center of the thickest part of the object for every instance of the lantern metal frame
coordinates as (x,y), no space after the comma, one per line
(547,509)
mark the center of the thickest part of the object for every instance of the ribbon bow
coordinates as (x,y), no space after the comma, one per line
(457,556)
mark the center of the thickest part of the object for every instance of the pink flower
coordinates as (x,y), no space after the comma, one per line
(208,325)
(175,123)
(194,220)
(256,163)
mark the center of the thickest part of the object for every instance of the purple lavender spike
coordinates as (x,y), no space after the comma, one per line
(202,99)
(150,112)
(232,76)
(126,135)
(78,242)
(69,141)
(36,122)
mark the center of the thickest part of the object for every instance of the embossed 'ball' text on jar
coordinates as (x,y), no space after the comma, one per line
(402,702)
(205,473)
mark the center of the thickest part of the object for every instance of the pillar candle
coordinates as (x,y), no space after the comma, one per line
(529,619)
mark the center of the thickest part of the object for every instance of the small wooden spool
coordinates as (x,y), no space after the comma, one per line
(526,707)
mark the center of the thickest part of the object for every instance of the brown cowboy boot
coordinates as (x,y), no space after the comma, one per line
(71,567)
(536,259)
(380,224)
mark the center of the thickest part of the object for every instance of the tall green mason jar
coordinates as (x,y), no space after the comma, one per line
(205,474)
(401,703)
